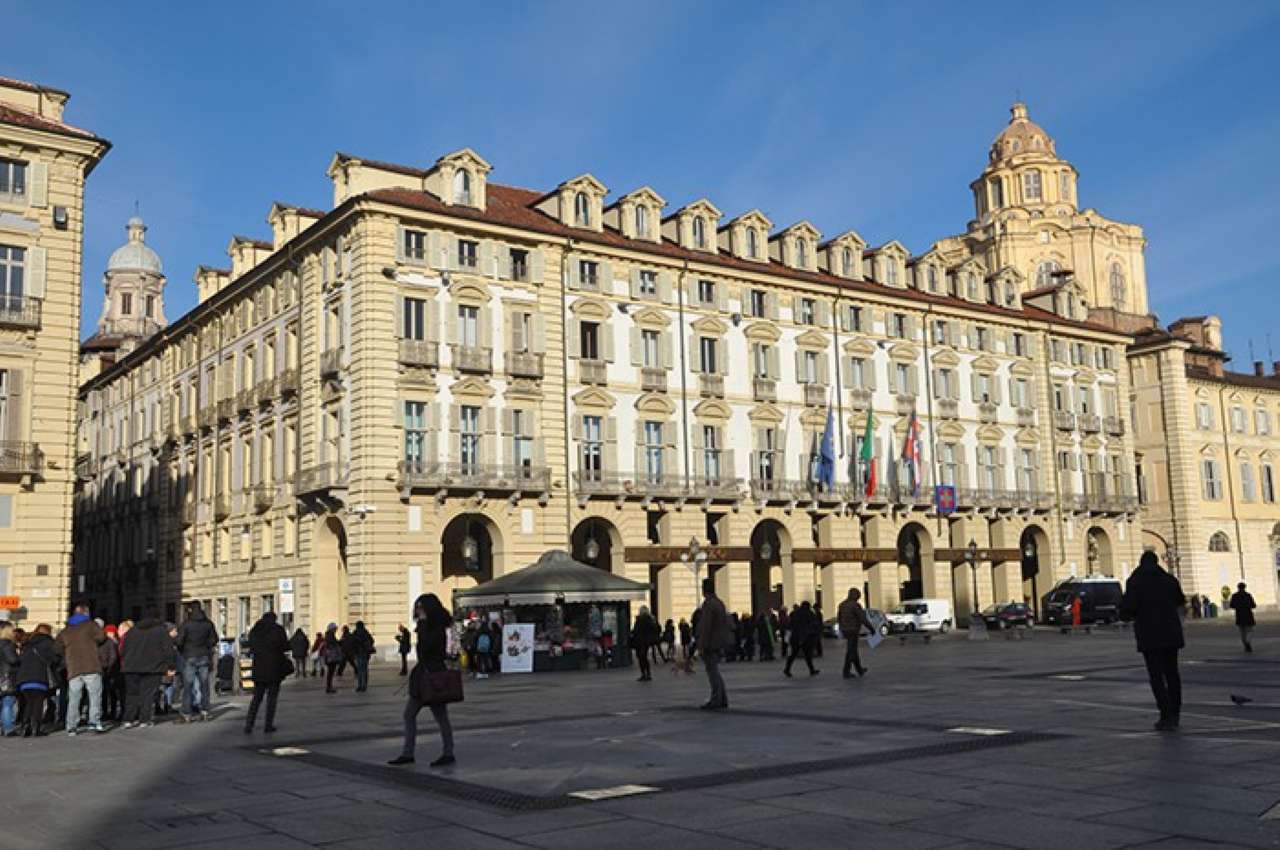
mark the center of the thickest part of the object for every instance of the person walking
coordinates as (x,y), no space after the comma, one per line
(404,642)
(669,639)
(432,623)
(1151,601)
(298,649)
(317,654)
(852,618)
(146,654)
(332,653)
(1242,603)
(197,639)
(804,627)
(764,635)
(495,647)
(714,634)
(9,664)
(37,670)
(78,644)
(112,678)
(644,634)
(362,650)
(347,645)
(269,643)
(686,639)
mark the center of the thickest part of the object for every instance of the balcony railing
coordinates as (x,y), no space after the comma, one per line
(290,380)
(1090,423)
(1114,426)
(267,390)
(1064,420)
(208,416)
(330,362)
(222,506)
(419,352)
(86,467)
(21,458)
(711,386)
(245,400)
(188,513)
(1026,417)
(524,364)
(19,312)
(477,359)
(226,409)
(987,411)
(764,389)
(815,395)
(593,372)
(476,476)
(653,380)
(264,497)
(860,399)
(903,405)
(319,478)
(947,408)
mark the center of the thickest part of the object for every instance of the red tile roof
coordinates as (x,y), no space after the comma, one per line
(1235,379)
(22,118)
(32,87)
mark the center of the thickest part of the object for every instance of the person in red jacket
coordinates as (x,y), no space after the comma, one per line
(1076,605)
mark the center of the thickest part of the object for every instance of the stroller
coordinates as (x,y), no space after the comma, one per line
(225,671)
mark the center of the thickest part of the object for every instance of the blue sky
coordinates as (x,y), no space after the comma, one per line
(873,116)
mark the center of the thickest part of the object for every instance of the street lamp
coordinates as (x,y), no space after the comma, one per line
(694,557)
(971,557)
(470,550)
(766,551)
(592,549)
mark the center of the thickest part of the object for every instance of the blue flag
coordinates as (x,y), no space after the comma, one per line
(826,471)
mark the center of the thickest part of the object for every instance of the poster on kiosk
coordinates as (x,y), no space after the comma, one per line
(517,648)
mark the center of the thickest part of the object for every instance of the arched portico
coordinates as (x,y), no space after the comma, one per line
(1037,565)
(329,580)
(471,551)
(597,542)
(1099,554)
(915,549)
(770,559)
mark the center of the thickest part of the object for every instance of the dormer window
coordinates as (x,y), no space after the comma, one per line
(846,262)
(802,253)
(642,222)
(1045,272)
(931,275)
(462,187)
(699,232)
(753,243)
(581,210)
(890,271)
(1031,186)
(971,286)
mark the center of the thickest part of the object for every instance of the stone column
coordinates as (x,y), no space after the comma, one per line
(678,595)
(882,578)
(839,532)
(733,586)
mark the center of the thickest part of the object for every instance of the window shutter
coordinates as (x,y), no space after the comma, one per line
(728,469)
(485,321)
(696,442)
(690,292)
(487,259)
(487,448)
(775,363)
(974,391)
(635,284)
(722,296)
(869,373)
(606,277)
(503,261)
(771,306)
(913,375)
(399,331)
(893,377)
(824,314)
(1001,462)
(695,353)
(507,422)
(824,368)
(575,426)
(606,332)
(518,342)
(35,271)
(795,308)
(400,257)
(536,264)
(455,432)
(637,347)
(39,187)
(664,287)
(611,444)
(846,376)
(574,268)
(799,366)
(664,349)
(995,390)
(538,331)
(431,315)
(574,343)
(15,417)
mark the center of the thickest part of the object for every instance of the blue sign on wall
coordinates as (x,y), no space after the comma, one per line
(944,498)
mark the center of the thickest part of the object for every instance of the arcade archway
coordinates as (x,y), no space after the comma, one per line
(1037,565)
(329,573)
(470,551)
(915,549)
(770,550)
(597,542)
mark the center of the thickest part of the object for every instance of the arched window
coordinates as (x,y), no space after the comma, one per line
(802,252)
(1031,186)
(753,243)
(581,210)
(846,262)
(1045,272)
(1119,292)
(699,232)
(642,220)
(997,193)
(462,186)
(1219,542)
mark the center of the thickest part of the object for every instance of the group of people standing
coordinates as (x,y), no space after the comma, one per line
(332,652)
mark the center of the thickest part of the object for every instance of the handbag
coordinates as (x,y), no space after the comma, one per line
(287,668)
(438,687)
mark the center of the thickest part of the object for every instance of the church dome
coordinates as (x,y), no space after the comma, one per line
(134,255)
(1022,136)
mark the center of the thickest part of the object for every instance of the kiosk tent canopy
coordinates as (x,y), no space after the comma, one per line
(555,577)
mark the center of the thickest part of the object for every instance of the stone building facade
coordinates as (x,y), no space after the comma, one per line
(44,163)
(441,377)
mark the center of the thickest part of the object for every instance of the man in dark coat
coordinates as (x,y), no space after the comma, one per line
(852,618)
(713,633)
(805,631)
(78,643)
(196,641)
(146,653)
(1152,599)
(1242,603)
(269,644)
(644,634)
(298,645)
(404,642)
(362,650)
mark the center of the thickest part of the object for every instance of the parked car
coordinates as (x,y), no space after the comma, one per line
(922,615)
(1007,615)
(1099,600)
(831,628)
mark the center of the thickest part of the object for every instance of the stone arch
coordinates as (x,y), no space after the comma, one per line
(915,552)
(1099,553)
(329,579)
(457,570)
(597,542)
(1037,565)
(770,561)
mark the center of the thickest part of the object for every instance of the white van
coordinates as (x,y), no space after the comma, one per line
(922,615)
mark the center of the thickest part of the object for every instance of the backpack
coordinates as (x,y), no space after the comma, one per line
(483,644)
(332,652)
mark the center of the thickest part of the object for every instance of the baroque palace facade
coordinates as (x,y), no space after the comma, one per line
(44,162)
(441,377)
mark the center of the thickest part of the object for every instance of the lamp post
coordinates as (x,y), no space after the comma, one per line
(693,558)
(971,557)
(592,549)
(470,550)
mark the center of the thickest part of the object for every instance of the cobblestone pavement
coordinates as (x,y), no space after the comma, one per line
(1043,742)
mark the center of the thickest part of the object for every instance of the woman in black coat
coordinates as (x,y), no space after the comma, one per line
(269,644)
(645,633)
(432,627)
(37,668)
(298,645)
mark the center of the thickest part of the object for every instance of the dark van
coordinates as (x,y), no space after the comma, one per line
(1099,600)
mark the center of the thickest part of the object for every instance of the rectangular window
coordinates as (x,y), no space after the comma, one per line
(519,264)
(653,452)
(941,332)
(810,371)
(988,471)
(1031,185)
(521,439)
(707,293)
(650,349)
(756,303)
(12,276)
(898,326)
(415,319)
(1020,345)
(468,325)
(707,350)
(589,273)
(469,436)
(1268,484)
(415,436)
(151,307)
(855,318)
(902,372)
(1212,480)
(711,453)
(648,284)
(589,340)
(1108,358)
(1262,422)
(1239,423)
(592,448)
(766,458)
(126,304)
(13,180)
(760,360)
(1027,479)
(982,384)
(807,311)
(946,388)
(415,245)
(1020,393)
(468,254)
(1248,486)
(948,468)
(982,339)
(858,373)
(1085,401)
(1204,416)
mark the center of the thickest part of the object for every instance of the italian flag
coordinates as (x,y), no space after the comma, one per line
(868,455)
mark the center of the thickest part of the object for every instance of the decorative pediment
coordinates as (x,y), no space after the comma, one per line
(1208,450)
(812,339)
(470,293)
(848,239)
(1091,443)
(1021,369)
(989,434)
(753,218)
(763,332)
(593,397)
(860,347)
(703,207)
(585,183)
(645,195)
(1027,438)
(651,318)
(713,410)
(800,228)
(591,309)
(472,387)
(985,364)
(1085,377)
(765,414)
(657,404)
(814,419)
(466,158)
(946,357)
(711,326)
(894,247)
(904,352)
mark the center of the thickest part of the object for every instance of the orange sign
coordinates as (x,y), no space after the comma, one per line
(10,602)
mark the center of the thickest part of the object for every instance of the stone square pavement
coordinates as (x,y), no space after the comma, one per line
(1043,742)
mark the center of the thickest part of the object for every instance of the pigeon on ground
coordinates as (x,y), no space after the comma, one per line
(1239,700)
